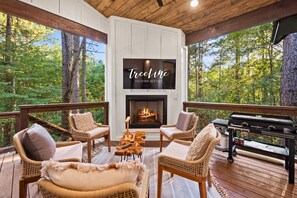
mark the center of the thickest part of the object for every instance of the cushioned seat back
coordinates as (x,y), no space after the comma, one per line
(201,143)
(193,123)
(83,122)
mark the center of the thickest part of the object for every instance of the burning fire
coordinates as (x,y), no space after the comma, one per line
(146,113)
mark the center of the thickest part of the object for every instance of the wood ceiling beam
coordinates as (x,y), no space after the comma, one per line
(275,11)
(23,10)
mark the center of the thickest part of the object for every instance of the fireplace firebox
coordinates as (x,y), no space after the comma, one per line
(146,111)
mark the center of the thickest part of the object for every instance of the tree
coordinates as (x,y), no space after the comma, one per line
(83,71)
(23,54)
(9,79)
(289,71)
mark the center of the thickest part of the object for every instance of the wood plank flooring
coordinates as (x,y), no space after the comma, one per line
(246,177)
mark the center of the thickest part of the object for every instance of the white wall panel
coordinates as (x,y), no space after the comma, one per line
(139,41)
(135,39)
(71,9)
(49,5)
(169,44)
(89,17)
(75,10)
(122,50)
(154,42)
(123,40)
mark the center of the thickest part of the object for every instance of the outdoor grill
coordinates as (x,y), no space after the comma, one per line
(269,125)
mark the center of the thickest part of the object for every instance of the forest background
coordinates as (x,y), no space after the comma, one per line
(37,68)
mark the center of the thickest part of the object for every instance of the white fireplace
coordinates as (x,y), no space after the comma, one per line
(129,39)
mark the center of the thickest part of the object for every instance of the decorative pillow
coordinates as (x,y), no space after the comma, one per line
(84,121)
(88,177)
(38,143)
(192,122)
(184,118)
(200,144)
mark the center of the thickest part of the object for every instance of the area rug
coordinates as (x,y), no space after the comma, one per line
(95,151)
(172,187)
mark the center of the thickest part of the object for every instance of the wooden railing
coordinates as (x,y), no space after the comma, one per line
(23,116)
(244,108)
(25,110)
(16,116)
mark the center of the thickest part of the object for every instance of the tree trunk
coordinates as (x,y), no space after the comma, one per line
(83,71)
(289,71)
(75,77)
(236,72)
(67,43)
(9,79)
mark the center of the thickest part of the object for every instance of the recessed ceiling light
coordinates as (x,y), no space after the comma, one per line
(194,3)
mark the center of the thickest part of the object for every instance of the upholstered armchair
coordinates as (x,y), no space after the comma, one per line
(184,129)
(64,151)
(100,181)
(84,128)
(190,160)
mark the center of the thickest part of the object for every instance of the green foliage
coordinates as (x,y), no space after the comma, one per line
(242,67)
(34,73)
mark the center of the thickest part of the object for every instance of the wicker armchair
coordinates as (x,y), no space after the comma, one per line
(126,190)
(31,168)
(170,132)
(197,170)
(89,136)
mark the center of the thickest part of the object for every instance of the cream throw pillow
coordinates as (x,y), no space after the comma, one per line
(88,177)
(84,121)
(200,144)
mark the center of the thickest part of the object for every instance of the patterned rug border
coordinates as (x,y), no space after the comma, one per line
(99,147)
(221,190)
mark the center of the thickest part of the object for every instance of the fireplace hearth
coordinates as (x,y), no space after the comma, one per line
(146,111)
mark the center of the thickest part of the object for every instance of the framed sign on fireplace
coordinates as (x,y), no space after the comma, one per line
(149,73)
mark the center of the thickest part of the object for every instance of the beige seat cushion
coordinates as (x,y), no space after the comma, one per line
(38,143)
(88,177)
(84,121)
(200,144)
(93,132)
(169,131)
(176,150)
(183,121)
(69,152)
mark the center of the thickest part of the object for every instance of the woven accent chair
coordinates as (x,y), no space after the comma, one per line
(170,132)
(31,168)
(173,161)
(125,190)
(89,136)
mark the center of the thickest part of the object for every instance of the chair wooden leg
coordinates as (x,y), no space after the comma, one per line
(89,150)
(108,142)
(160,174)
(202,188)
(209,179)
(22,188)
(161,141)
(93,144)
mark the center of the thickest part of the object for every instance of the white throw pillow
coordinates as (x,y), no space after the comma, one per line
(201,142)
(87,177)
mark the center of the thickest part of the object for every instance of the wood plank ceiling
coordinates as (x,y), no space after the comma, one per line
(178,13)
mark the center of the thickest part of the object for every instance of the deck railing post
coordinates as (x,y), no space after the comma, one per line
(24,116)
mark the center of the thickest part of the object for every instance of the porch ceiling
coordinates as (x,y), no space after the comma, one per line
(178,13)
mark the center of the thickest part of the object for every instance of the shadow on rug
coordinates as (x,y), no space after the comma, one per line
(175,186)
(95,151)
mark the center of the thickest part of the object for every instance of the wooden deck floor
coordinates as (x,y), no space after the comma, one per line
(246,177)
